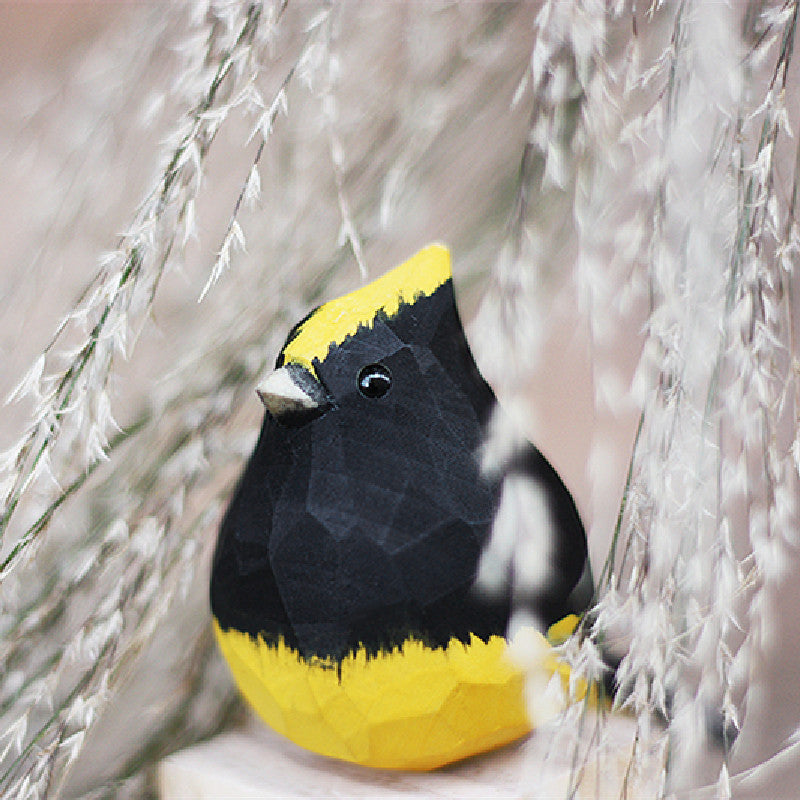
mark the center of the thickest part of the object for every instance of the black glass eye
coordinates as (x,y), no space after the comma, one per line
(374,381)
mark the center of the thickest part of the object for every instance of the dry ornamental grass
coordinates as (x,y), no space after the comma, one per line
(618,183)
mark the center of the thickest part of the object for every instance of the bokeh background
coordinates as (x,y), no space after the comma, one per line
(182,182)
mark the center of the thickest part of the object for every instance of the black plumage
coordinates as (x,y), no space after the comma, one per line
(360,524)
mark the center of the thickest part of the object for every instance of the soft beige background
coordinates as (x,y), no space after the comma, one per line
(48,107)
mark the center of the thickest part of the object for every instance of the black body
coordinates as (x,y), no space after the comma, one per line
(362,526)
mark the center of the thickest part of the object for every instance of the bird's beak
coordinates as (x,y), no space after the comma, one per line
(292,391)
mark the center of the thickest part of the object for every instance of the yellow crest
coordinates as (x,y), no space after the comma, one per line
(334,321)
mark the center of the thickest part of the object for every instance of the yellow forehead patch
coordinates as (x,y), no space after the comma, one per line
(333,322)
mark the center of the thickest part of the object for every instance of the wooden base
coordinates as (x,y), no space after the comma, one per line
(254,763)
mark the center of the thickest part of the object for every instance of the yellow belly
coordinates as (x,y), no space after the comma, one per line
(413,708)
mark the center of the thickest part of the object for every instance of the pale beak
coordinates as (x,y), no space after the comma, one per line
(291,391)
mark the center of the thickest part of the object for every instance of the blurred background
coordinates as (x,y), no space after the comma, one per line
(182,182)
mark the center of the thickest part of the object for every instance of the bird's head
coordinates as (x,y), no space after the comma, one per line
(297,390)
